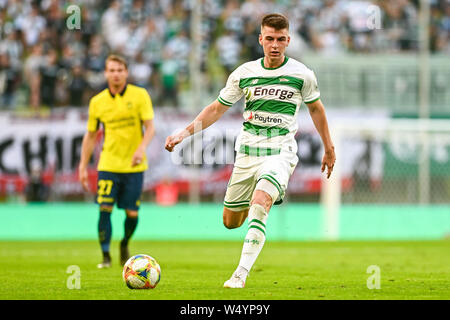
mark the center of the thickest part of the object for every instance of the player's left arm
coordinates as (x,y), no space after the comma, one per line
(146,114)
(317,112)
(149,133)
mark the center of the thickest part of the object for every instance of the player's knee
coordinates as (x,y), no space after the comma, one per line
(265,194)
(233,219)
(132,213)
(106,208)
(263,199)
(231,223)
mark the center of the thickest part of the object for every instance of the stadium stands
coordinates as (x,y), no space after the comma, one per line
(45,64)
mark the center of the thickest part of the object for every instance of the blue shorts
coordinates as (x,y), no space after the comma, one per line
(123,188)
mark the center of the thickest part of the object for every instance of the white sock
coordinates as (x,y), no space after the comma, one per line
(241,272)
(255,238)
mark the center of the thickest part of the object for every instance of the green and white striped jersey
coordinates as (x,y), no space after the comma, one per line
(272,99)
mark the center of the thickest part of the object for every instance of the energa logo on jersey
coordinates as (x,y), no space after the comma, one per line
(281,94)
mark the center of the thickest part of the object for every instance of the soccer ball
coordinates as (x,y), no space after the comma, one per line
(141,272)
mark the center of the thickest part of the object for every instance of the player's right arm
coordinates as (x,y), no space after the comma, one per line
(86,151)
(230,94)
(87,146)
(205,118)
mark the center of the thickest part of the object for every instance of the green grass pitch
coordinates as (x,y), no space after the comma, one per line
(196,270)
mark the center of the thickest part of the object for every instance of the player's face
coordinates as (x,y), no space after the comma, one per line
(116,73)
(274,42)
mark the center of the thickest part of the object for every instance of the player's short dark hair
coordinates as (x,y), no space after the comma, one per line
(116,58)
(276,21)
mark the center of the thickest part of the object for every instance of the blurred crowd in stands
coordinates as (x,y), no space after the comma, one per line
(43,63)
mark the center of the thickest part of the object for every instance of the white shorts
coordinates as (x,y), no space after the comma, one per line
(248,170)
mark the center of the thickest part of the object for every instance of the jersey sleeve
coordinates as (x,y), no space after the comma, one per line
(146,111)
(232,92)
(93,121)
(310,89)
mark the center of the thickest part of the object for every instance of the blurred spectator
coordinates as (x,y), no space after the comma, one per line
(77,87)
(401,21)
(89,25)
(356,17)
(229,49)
(10,69)
(12,46)
(31,72)
(250,43)
(67,59)
(114,31)
(440,28)
(55,16)
(32,23)
(48,39)
(140,72)
(175,19)
(444,32)
(94,64)
(73,39)
(36,190)
(136,38)
(49,74)
(254,10)
(232,17)
(137,12)
(152,47)
(179,47)
(9,79)
(329,21)
(169,79)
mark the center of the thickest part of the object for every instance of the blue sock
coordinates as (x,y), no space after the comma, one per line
(105,229)
(130,226)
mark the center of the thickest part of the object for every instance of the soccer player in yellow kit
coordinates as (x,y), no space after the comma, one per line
(123,110)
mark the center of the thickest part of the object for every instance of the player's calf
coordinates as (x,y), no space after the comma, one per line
(264,196)
(253,243)
(130,225)
(234,218)
(104,235)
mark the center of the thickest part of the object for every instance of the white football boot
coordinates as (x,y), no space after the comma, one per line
(104,265)
(237,280)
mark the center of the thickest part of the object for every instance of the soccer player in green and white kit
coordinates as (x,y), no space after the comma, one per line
(274,88)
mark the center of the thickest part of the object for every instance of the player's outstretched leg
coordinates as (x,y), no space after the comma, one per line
(130,225)
(263,197)
(253,243)
(104,235)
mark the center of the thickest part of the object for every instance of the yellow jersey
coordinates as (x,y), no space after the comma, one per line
(121,116)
